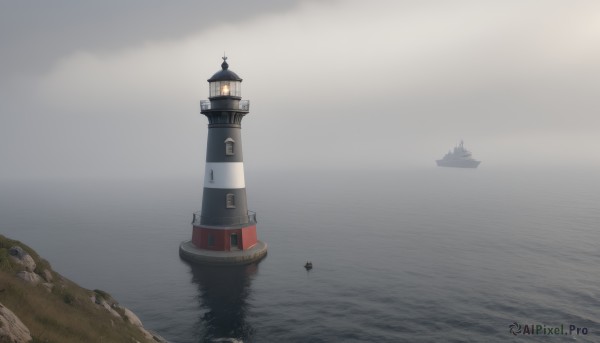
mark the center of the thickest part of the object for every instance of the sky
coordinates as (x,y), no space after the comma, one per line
(112,89)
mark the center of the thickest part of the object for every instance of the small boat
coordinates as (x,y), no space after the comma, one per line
(308,265)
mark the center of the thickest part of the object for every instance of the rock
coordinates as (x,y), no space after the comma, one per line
(21,257)
(105,300)
(131,317)
(29,277)
(147,334)
(48,286)
(108,308)
(47,275)
(11,328)
(17,252)
(158,338)
(135,320)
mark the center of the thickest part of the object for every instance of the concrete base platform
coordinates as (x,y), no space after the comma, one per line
(189,252)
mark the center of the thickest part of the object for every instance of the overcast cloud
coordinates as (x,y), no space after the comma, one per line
(113,89)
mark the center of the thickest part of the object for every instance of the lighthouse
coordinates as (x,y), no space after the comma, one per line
(224,231)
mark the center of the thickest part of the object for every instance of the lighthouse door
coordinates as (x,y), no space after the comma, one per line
(234,242)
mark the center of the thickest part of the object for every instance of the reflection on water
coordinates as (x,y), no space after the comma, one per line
(223,292)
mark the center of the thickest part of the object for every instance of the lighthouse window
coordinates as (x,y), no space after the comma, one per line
(211,240)
(236,88)
(225,88)
(229,146)
(212,176)
(215,89)
(230,202)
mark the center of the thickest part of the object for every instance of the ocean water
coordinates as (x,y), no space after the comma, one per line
(433,255)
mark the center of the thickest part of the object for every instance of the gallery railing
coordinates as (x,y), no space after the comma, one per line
(243,105)
(198,219)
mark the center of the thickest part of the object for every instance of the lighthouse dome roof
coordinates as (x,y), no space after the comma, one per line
(225,74)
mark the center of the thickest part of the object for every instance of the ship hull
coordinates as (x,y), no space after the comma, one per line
(458,163)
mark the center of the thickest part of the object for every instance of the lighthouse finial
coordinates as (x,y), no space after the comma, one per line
(224,65)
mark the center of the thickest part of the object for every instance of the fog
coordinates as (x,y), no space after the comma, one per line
(112,90)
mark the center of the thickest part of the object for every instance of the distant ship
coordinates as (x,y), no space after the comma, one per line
(459,158)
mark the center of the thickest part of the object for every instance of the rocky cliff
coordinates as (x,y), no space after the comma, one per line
(39,305)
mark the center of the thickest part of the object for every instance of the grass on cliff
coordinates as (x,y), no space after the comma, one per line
(64,315)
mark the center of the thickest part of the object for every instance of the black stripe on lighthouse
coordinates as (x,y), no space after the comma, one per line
(216,150)
(224,197)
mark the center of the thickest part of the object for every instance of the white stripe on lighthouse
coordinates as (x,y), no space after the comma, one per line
(228,175)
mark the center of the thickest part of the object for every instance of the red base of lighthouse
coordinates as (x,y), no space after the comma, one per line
(224,239)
